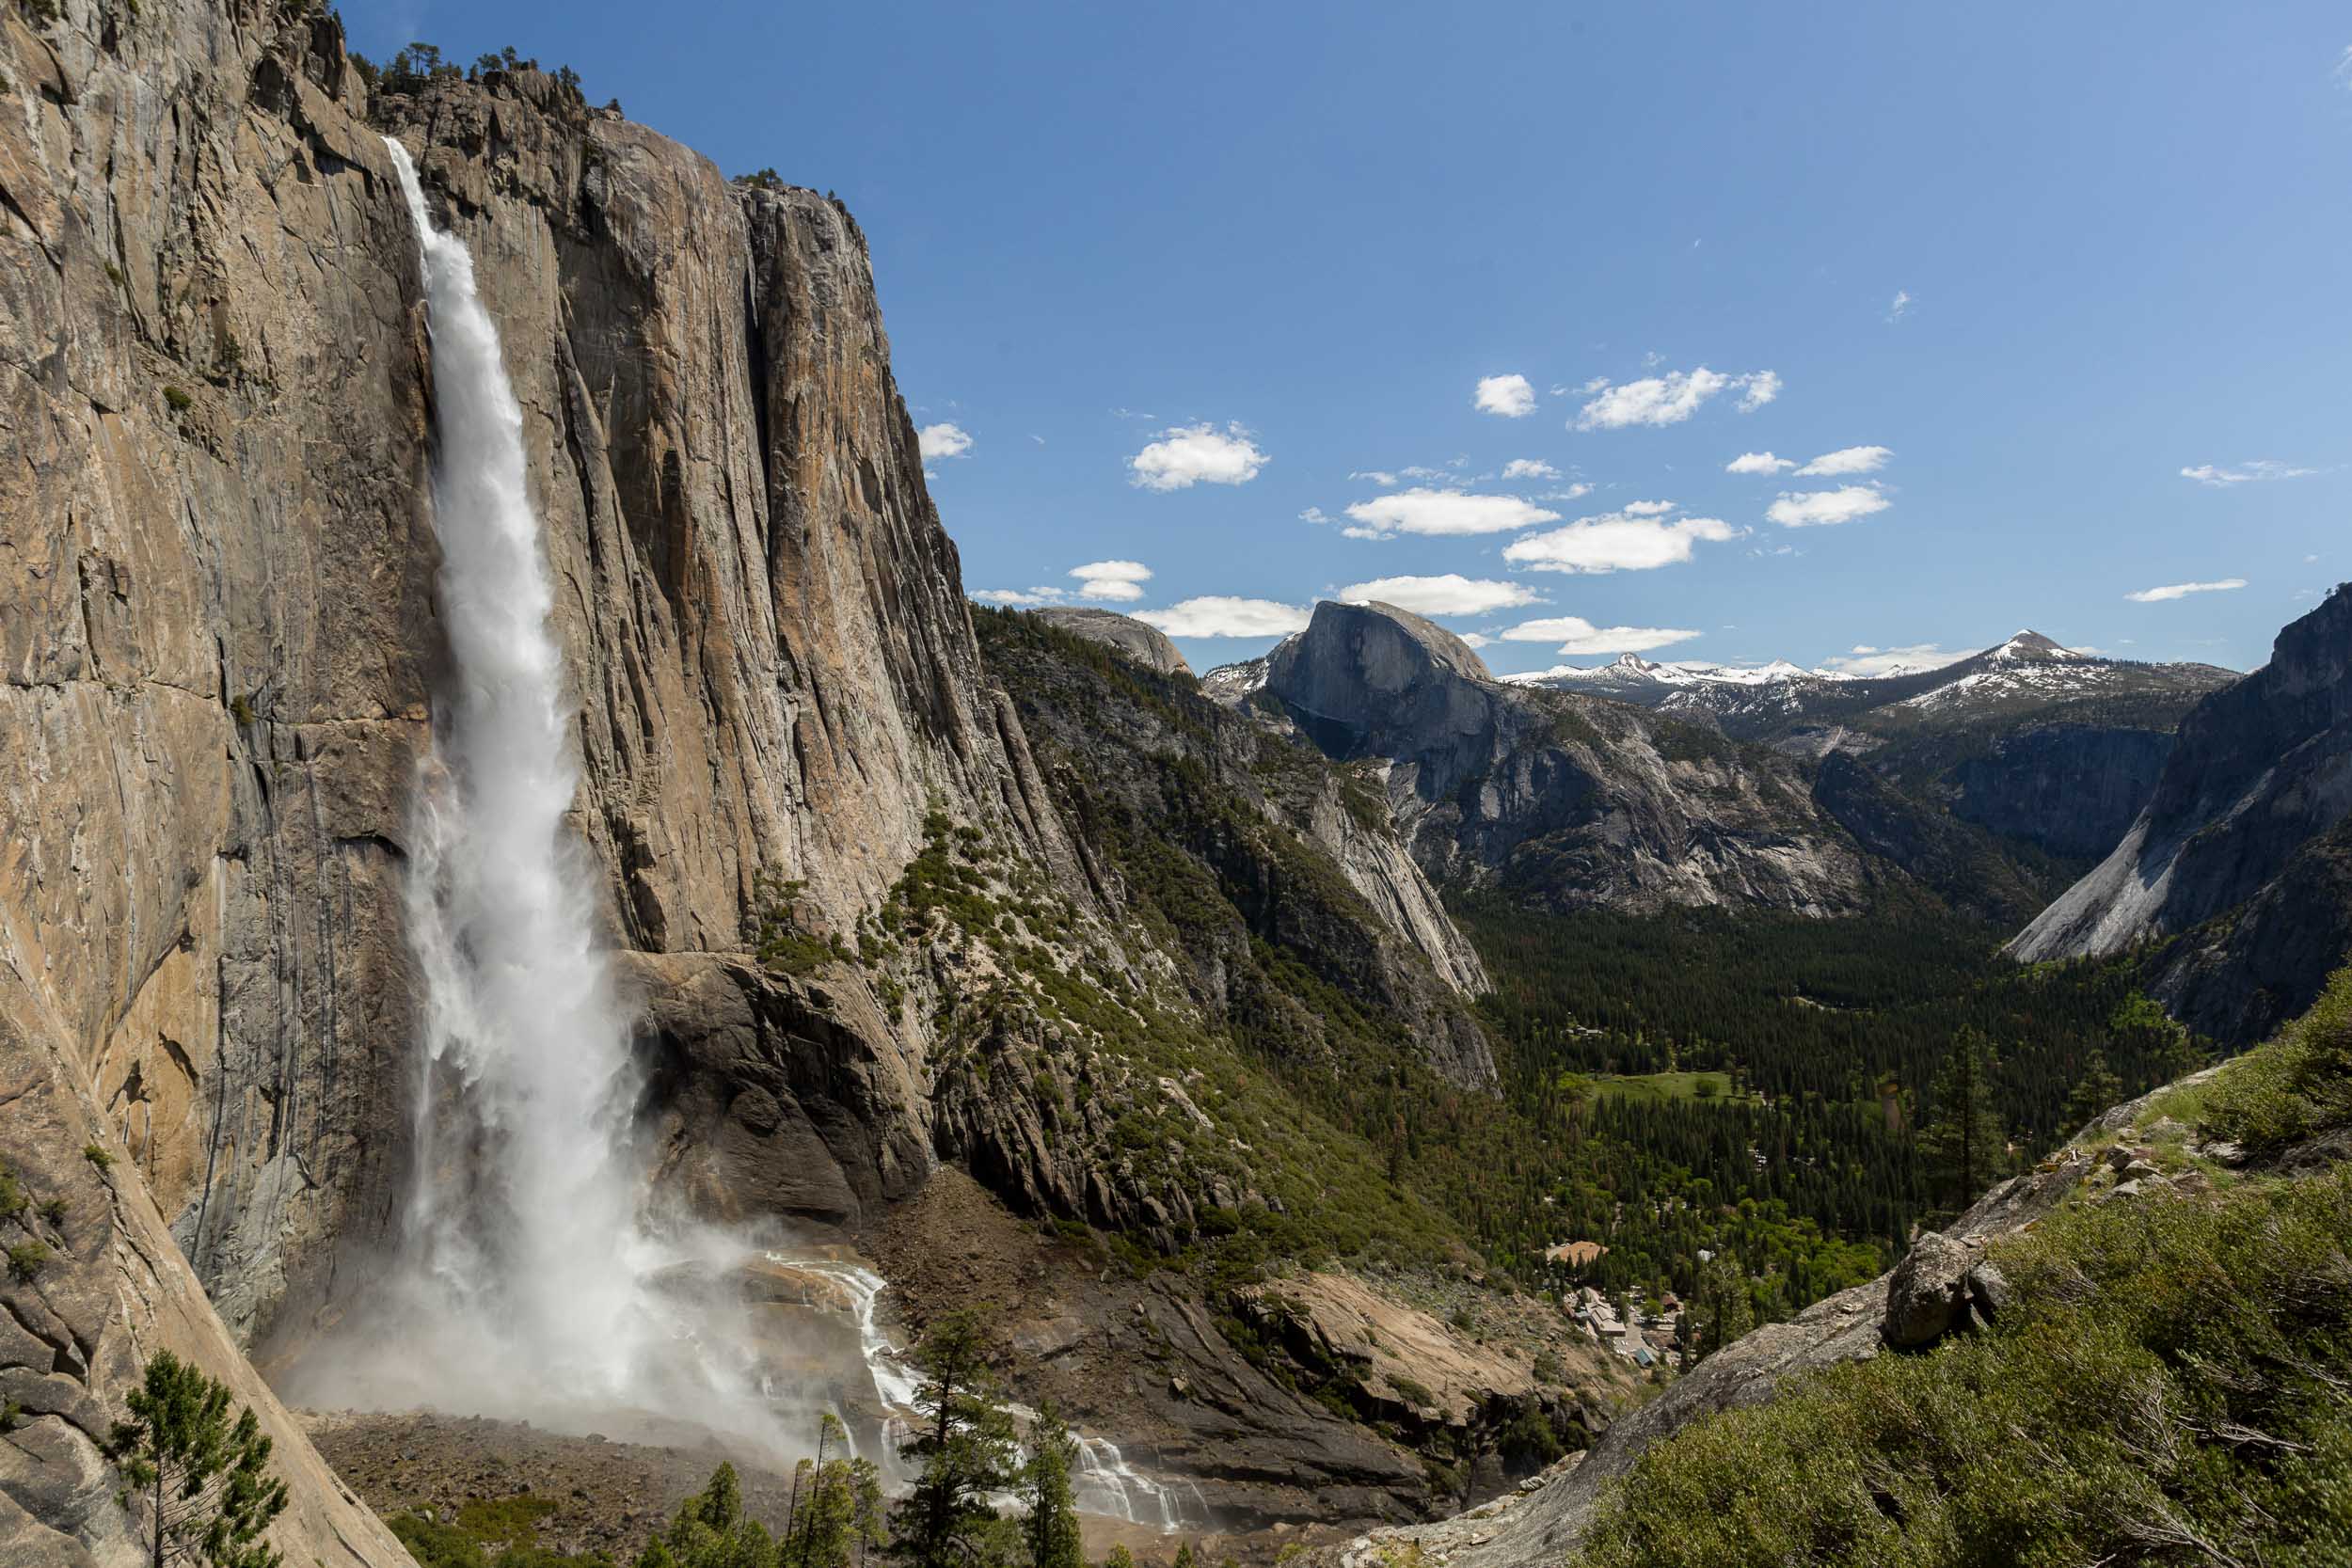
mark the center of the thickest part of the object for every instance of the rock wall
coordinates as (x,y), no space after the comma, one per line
(1573,801)
(219,645)
(2236,841)
(2074,789)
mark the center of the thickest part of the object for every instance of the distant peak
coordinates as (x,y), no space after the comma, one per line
(1634,662)
(2030,644)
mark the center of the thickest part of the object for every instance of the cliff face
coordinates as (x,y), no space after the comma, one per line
(2238,850)
(2074,789)
(1575,801)
(219,648)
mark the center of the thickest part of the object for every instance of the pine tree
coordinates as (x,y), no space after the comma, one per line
(1052,1524)
(836,1504)
(202,1479)
(1963,1143)
(712,1530)
(1725,1309)
(964,1447)
(2094,1093)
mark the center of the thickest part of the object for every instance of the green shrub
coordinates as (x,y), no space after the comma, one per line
(25,1261)
(178,400)
(97,1155)
(2166,1388)
(2293,1088)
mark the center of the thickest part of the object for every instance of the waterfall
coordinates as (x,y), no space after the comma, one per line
(530,1283)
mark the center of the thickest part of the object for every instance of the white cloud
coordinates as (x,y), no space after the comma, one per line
(2183,590)
(1576,492)
(1617,542)
(1576,635)
(1647,509)
(1315,514)
(1449,595)
(1758,462)
(2244,473)
(1019,596)
(1848,460)
(1378,476)
(1669,399)
(2344,67)
(1218,615)
(1476,639)
(1821,508)
(1757,389)
(1442,513)
(1867,660)
(1185,455)
(942,440)
(1900,305)
(1529,467)
(1111,579)
(1507,395)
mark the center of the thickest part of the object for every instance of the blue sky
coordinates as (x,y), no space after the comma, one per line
(1185,278)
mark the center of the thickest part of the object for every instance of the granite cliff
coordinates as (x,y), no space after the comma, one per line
(2238,864)
(1578,802)
(220,649)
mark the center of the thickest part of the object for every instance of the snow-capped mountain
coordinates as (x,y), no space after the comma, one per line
(2025,673)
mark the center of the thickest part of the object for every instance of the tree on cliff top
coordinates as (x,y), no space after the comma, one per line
(203,1480)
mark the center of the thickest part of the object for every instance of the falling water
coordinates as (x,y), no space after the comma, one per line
(529,1284)
(532,1283)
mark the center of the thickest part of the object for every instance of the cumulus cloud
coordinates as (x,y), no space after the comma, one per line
(1669,399)
(1378,476)
(1185,455)
(1507,395)
(1821,508)
(1219,615)
(1111,579)
(1869,660)
(1529,467)
(1576,492)
(1442,513)
(1901,307)
(1758,462)
(1757,389)
(942,440)
(1449,595)
(1633,540)
(2244,473)
(1576,635)
(1847,460)
(1476,639)
(1019,597)
(2183,590)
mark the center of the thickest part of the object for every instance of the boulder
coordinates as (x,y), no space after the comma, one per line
(1928,1294)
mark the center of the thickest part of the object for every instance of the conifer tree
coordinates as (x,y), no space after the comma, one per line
(203,1480)
(1963,1143)
(1052,1524)
(2094,1093)
(964,1447)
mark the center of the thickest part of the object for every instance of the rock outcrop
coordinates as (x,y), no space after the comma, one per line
(1146,645)
(2240,852)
